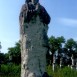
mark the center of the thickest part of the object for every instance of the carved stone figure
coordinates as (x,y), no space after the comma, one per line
(33,8)
(34,21)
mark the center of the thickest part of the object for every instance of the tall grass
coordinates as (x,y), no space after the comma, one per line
(61,72)
(12,70)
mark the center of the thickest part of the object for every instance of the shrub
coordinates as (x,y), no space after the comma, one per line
(10,69)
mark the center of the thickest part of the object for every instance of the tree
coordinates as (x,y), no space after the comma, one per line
(2,58)
(15,54)
(71,46)
(6,58)
(60,42)
(56,44)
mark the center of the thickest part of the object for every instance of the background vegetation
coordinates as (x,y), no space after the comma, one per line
(61,72)
(10,62)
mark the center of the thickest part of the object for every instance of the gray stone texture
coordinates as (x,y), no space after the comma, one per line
(34,42)
(33,50)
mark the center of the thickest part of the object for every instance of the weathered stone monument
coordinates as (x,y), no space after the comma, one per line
(34,21)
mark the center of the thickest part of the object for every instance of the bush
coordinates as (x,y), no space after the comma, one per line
(10,69)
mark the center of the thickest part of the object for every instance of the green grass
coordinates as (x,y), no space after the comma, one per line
(61,72)
(12,70)
(9,75)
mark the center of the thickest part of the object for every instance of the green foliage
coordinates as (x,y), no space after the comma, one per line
(70,43)
(15,54)
(56,43)
(61,72)
(10,70)
(62,47)
(71,46)
(6,56)
(2,58)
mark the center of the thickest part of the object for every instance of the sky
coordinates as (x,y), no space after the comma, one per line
(63,15)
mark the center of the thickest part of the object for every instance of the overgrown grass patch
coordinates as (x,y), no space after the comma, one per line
(61,72)
(12,70)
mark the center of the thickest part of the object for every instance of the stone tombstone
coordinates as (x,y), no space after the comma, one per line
(34,21)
